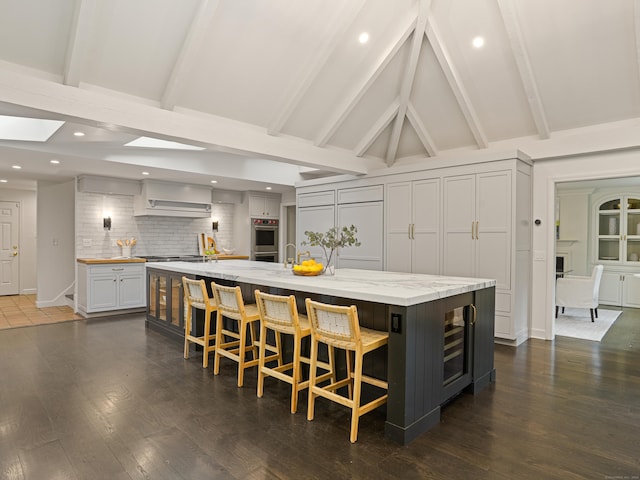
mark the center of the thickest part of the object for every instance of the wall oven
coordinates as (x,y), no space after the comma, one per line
(264,239)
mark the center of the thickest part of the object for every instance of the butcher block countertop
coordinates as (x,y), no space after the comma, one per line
(107,261)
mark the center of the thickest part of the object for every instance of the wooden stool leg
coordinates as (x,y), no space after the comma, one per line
(295,374)
(350,373)
(262,353)
(357,389)
(207,330)
(187,331)
(220,339)
(312,378)
(242,351)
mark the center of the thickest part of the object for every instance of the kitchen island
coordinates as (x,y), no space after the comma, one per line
(441,329)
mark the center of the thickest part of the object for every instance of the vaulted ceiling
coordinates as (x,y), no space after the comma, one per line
(281,90)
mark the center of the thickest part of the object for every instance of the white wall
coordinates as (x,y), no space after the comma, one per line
(545,175)
(28,229)
(56,249)
(155,235)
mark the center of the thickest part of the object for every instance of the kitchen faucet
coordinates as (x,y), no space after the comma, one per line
(306,254)
(287,259)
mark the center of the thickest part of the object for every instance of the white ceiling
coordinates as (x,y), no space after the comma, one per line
(280,91)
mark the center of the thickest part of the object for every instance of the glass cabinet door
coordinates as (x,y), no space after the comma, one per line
(632,232)
(609,219)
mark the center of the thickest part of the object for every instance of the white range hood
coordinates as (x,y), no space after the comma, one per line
(172,200)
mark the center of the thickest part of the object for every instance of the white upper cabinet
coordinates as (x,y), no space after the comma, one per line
(264,206)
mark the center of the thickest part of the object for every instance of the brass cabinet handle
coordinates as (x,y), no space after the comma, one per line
(15,254)
(472,227)
(409,231)
(477,230)
(413,231)
(475,314)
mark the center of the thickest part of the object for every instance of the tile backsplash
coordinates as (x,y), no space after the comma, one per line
(155,235)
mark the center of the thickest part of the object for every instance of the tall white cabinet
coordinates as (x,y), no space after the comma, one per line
(413,226)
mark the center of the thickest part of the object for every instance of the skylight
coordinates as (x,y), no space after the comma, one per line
(27,129)
(148,142)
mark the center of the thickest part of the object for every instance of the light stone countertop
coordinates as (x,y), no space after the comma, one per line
(391,288)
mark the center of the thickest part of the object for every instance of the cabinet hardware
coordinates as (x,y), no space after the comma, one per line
(117,269)
(477,230)
(409,231)
(472,230)
(15,254)
(475,314)
(413,231)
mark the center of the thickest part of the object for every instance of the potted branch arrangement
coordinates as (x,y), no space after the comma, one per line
(330,242)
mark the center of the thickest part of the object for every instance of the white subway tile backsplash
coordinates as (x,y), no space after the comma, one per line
(154,235)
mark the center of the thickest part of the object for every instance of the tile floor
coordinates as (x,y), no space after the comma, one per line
(21,311)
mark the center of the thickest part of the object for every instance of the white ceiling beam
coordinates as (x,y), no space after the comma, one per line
(421,131)
(361,88)
(377,128)
(206,130)
(192,44)
(514,34)
(79,36)
(455,83)
(334,33)
(408,78)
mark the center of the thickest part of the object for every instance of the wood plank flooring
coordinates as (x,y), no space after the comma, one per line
(109,399)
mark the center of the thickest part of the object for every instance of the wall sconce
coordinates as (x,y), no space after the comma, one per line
(214,225)
(106,223)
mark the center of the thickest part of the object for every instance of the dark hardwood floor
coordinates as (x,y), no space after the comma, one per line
(108,399)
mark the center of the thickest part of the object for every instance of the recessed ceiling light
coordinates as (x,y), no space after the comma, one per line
(214,181)
(3,181)
(16,167)
(27,129)
(478,42)
(267,188)
(364,37)
(54,161)
(78,134)
(145,173)
(157,143)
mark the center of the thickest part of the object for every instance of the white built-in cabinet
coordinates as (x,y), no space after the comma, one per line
(362,207)
(413,226)
(477,226)
(264,206)
(472,221)
(616,245)
(106,287)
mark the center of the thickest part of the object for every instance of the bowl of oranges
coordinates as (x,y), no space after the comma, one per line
(308,268)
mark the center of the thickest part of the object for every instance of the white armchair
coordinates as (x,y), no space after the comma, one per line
(579,292)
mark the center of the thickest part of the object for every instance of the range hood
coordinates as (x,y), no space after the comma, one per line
(171,199)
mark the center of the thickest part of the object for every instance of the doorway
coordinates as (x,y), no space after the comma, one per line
(9,248)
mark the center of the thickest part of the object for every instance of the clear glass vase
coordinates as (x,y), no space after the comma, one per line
(330,265)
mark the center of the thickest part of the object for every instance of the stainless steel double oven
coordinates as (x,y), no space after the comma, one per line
(264,239)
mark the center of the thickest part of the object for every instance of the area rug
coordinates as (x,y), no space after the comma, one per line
(576,323)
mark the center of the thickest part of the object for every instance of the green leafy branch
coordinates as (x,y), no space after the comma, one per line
(332,239)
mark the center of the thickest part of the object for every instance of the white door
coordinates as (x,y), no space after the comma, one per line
(9,248)
(398,207)
(426,227)
(493,229)
(459,217)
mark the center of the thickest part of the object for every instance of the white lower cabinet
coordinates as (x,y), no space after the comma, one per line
(619,289)
(105,287)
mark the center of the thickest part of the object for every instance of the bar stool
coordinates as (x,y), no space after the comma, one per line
(196,296)
(230,305)
(338,327)
(279,314)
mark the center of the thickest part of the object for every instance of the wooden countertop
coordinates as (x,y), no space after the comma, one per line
(107,261)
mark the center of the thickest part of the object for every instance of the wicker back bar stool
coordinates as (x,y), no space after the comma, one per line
(279,314)
(338,327)
(230,305)
(196,296)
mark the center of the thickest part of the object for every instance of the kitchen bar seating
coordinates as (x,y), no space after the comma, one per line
(279,315)
(338,327)
(230,305)
(196,296)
